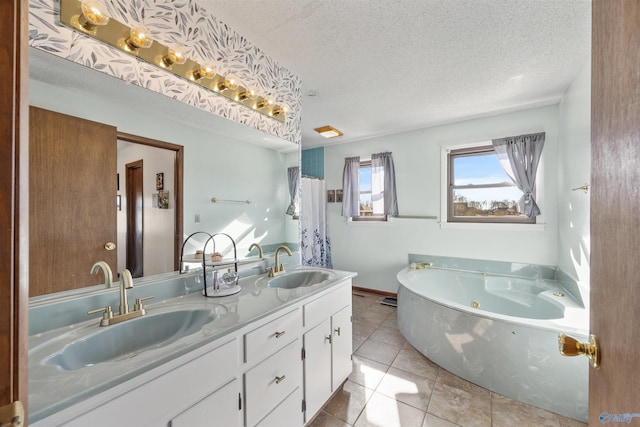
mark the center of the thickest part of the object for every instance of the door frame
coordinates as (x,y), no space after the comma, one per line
(134,173)
(178,167)
(14,201)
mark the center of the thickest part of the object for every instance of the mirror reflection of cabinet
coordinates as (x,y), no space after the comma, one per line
(72,194)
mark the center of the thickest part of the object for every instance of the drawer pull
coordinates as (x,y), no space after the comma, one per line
(328,338)
(279,334)
(280,379)
(337,330)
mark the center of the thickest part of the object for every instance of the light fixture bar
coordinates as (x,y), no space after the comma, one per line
(328,132)
(115,34)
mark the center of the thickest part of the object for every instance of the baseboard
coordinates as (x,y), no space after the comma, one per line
(374,291)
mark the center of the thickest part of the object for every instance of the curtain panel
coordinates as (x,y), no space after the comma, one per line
(383,185)
(519,157)
(293,177)
(351,187)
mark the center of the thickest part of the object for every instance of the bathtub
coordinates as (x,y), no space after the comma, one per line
(499,332)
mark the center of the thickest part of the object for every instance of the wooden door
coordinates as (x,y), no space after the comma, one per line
(14,223)
(72,192)
(615,210)
(135,218)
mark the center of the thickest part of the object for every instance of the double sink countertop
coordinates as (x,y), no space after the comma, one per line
(53,388)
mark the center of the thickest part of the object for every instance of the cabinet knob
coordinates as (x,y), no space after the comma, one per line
(279,334)
(280,379)
(337,330)
(109,246)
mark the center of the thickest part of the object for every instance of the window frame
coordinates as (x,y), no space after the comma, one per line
(368,218)
(476,149)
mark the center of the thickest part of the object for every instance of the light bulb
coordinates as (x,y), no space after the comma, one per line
(94,13)
(206,71)
(175,55)
(265,102)
(230,82)
(249,93)
(139,37)
(279,111)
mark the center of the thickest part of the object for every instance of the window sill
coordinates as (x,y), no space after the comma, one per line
(351,222)
(492,227)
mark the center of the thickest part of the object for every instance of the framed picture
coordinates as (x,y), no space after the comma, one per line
(163,199)
(339,196)
(160,181)
(119,202)
(331,196)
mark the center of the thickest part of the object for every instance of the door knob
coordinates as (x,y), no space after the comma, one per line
(109,246)
(570,346)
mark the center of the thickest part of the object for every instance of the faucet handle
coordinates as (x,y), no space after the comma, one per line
(107,314)
(138,304)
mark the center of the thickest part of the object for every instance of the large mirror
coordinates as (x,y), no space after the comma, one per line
(222,159)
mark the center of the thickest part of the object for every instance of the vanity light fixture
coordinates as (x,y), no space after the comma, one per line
(90,17)
(229,82)
(205,71)
(139,38)
(93,14)
(328,131)
(175,55)
(248,93)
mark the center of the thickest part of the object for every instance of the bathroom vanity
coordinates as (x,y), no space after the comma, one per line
(270,355)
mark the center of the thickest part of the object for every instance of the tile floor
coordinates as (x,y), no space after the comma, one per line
(392,385)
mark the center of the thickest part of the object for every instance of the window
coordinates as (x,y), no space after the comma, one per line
(367,198)
(479,190)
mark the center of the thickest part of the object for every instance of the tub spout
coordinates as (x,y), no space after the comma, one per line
(423,265)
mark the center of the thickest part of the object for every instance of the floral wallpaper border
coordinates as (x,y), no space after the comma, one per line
(204,38)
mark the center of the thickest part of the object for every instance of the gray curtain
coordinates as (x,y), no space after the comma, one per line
(519,157)
(293,176)
(351,187)
(383,181)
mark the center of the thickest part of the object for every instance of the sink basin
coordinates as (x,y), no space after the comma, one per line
(297,279)
(126,340)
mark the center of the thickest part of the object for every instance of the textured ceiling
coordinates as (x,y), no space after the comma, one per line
(379,67)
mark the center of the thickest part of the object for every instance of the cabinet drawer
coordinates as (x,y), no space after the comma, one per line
(288,413)
(267,384)
(318,310)
(271,337)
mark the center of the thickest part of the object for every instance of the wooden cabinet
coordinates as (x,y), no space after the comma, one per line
(327,347)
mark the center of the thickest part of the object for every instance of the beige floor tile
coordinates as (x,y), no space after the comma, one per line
(406,387)
(362,328)
(460,407)
(388,335)
(433,421)
(356,341)
(411,360)
(325,420)
(382,411)
(391,322)
(570,422)
(378,351)
(506,412)
(452,380)
(367,372)
(348,402)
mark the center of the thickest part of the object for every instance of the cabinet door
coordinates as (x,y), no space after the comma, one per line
(317,367)
(220,408)
(342,346)
(288,413)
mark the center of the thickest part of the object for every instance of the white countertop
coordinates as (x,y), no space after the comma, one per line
(52,389)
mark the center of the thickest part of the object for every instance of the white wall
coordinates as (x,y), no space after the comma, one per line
(214,166)
(158,224)
(378,251)
(574,151)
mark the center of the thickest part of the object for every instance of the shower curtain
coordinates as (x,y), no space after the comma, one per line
(315,244)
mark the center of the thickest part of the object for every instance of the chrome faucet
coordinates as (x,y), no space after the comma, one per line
(108,275)
(108,318)
(278,268)
(256,245)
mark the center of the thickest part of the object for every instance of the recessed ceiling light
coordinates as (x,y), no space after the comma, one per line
(328,131)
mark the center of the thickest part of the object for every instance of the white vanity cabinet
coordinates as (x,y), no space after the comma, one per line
(327,346)
(162,400)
